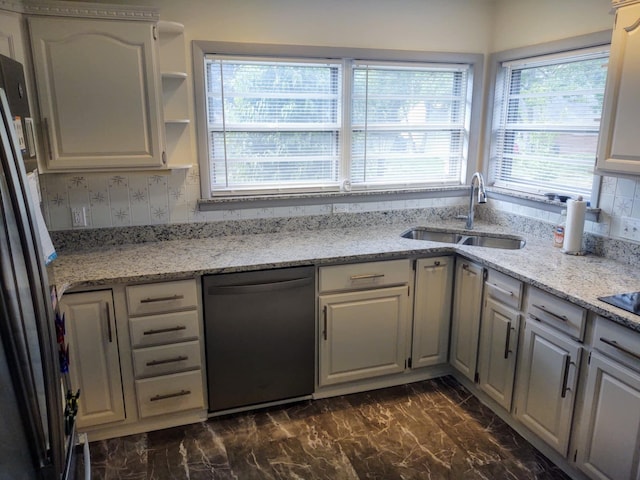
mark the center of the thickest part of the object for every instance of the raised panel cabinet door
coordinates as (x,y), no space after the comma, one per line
(432,311)
(362,334)
(465,321)
(609,446)
(497,355)
(619,146)
(11,36)
(94,366)
(99,90)
(546,384)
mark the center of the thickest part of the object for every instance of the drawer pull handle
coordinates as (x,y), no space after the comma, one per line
(617,346)
(501,290)
(435,264)
(181,393)
(367,276)
(162,299)
(165,330)
(153,363)
(554,315)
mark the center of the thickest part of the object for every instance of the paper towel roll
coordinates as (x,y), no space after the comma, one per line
(576,211)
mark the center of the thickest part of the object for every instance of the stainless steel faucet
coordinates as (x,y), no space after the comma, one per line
(482,198)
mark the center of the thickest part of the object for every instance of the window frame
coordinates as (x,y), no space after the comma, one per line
(496,76)
(202,48)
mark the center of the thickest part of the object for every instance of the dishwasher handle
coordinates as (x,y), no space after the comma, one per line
(259,287)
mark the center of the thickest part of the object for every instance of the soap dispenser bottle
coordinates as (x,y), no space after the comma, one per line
(559,229)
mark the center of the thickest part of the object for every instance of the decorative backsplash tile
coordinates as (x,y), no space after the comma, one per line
(143,198)
(619,197)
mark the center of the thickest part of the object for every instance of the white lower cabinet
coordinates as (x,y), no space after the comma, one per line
(169,393)
(94,358)
(547,379)
(499,330)
(465,321)
(609,438)
(610,444)
(363,312)
(432,311)
(363,334)
(166,346)
(497,356)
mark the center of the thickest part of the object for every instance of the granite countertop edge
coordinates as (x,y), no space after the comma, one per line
(579,279)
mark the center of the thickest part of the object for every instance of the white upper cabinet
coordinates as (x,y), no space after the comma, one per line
(99,90)
(619,144)
(11,43)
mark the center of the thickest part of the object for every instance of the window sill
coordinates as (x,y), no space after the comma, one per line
(264,201)
(537,201)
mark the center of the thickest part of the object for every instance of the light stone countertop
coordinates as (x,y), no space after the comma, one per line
(579,279)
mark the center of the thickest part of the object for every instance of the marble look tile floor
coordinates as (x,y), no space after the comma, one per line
(427,430)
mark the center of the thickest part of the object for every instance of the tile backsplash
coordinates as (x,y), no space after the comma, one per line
(143,198)
(619,200)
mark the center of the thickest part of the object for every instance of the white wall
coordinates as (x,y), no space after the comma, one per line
(436,25)
(518,23)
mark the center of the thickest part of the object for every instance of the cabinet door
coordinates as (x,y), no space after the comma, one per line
(99,91)
(11,36)
(94,361)
(432,311)
(610,426)
(546,384)
(497,355)
(362,334)
(465,321)
(619,145)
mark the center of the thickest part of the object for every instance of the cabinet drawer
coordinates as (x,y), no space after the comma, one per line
(558,313)
(364,275)
(165,328)
(170,393)
(505,289)
(617,342)
(165,359)
(161,297)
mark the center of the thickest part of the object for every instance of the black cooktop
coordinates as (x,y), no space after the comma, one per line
(627,301)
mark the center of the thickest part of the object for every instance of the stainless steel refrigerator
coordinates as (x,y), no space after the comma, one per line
(34,440)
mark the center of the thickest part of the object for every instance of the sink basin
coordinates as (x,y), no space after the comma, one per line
(493,242)
(479,240)
(431,235)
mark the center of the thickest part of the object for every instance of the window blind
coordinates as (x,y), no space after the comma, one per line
(546,122)
(409,124)
(273,125)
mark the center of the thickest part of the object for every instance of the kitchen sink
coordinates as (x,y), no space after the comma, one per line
(478,240)
(491,241)
(420,233)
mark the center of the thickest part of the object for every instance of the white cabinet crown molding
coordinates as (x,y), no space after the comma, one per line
(89,10)
(12,5)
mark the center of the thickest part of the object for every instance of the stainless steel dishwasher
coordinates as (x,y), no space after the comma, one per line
(260,336)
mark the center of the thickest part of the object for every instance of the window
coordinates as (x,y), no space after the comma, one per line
(273,124)
(408,124)
(327,123)
(546,122)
